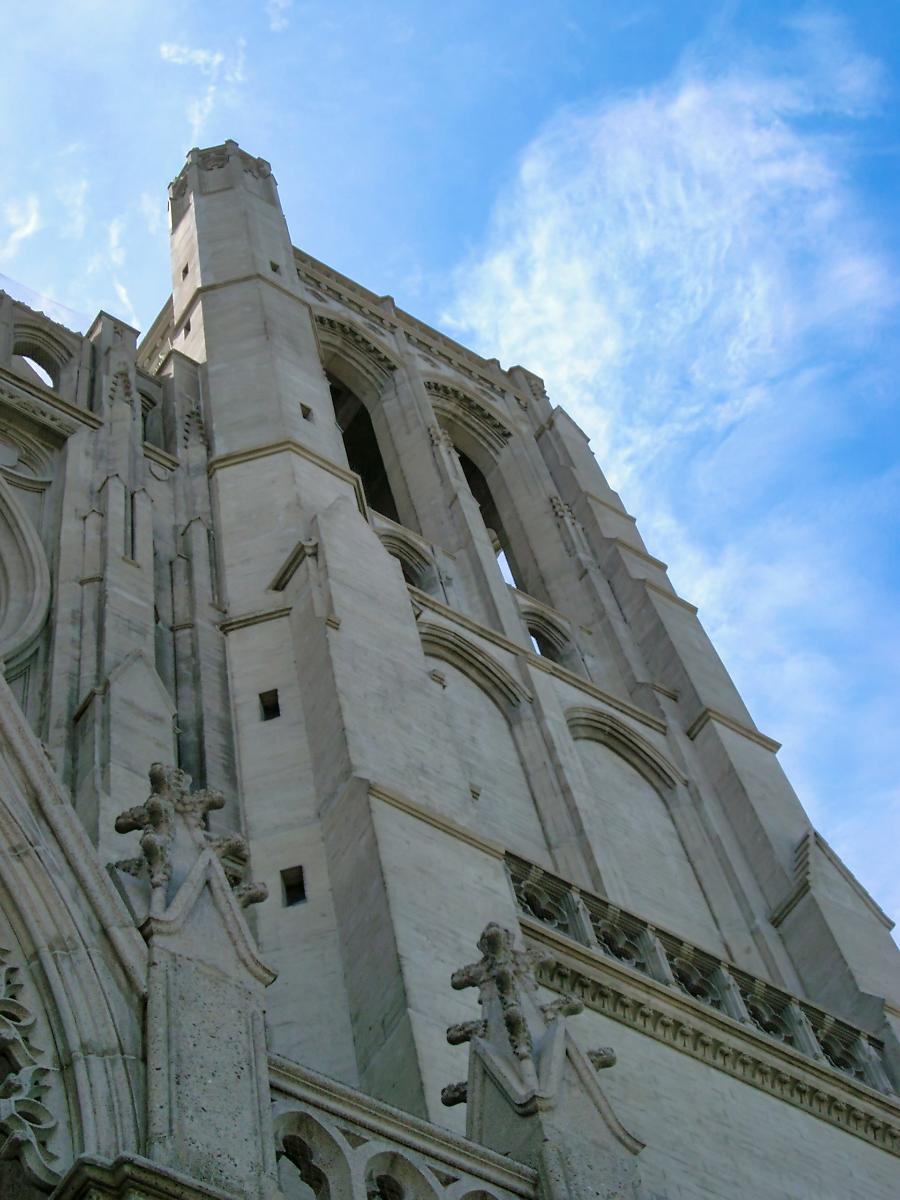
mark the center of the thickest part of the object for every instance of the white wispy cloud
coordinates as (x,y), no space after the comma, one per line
(72,195)
(114,233)
(689,268)
(277,12)
(112,255)
(23,220)
(220,69)
(206,61)
(125,301)
(153,209)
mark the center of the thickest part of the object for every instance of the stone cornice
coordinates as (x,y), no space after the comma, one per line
(290,1080)
(720,718)
(230,624)
(290,446)
(436,820)
(673,1017)
(162,457)
(384,312)
(44,406)
(673,596)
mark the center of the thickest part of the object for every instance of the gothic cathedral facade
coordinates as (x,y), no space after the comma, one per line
(283,749)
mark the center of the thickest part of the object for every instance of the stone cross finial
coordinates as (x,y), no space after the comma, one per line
(171,822)
(505,972)
(507,987)
(532,1087)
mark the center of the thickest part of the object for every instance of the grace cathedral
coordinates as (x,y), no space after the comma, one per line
(334,864)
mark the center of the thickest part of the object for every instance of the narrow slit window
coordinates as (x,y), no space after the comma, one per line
(293,886)
(269,708)
(276,270)
(306,412)
(184,271)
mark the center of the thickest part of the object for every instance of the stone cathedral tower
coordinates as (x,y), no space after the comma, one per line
(281,751)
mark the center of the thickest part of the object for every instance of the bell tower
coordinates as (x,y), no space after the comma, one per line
(374,596)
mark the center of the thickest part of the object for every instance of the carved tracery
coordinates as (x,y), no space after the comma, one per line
(26,1122)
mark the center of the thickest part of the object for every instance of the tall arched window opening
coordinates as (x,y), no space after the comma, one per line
(32,360)
(479,488)
(361,446)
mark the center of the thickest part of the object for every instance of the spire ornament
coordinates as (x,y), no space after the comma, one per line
(172,824)
(531,1086)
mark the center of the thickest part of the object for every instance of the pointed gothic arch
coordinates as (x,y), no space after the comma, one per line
(482,668)
(595,725)
(35,343)
(319,1154)
(54,900)
(24,578)
(479,437)
(419,569)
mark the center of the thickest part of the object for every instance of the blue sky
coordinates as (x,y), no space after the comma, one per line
(683,216)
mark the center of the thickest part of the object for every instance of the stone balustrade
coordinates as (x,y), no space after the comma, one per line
(339,1142)
(720,985)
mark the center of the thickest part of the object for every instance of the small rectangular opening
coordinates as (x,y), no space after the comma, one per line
(184,271)
(293,886)
(275,267)
(269,707)
(187,328)
(306,412)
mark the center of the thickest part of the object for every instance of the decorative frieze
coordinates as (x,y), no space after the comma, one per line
(718,985)
(486,425)
(42,407)
(430,352)
(352,335)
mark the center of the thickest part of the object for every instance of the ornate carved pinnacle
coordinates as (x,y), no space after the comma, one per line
(508,974)
(171,823)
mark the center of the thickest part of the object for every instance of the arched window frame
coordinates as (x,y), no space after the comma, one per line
(593,724)
(479,432)
(32,341)
(366,368)
(418,566)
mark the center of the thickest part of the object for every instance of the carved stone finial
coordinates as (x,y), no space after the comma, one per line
(525,1063)
(506,973)
(513,1019)
(171,823)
